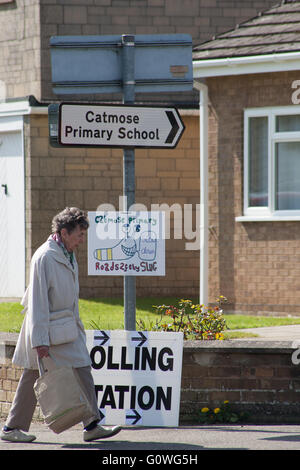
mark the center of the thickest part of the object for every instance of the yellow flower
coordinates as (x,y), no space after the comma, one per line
(226,401)
(204,410)
(217,410)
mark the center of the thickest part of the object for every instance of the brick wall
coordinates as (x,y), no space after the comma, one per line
(256,264)
(200,18)
(56,177)
(9,374)
(26,26)
(258,378)
(85,177)
(20,50)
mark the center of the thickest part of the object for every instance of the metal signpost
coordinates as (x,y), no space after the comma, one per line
(129,174)
(106,64)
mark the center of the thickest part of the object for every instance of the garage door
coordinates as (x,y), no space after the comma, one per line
(12,209)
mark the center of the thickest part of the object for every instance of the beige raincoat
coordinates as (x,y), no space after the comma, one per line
(53,287)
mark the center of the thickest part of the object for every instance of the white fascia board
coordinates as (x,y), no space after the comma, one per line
(246,65)
(20,107)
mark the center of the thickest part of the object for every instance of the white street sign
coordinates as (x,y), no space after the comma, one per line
(126,243)
(119,126)
(137,376)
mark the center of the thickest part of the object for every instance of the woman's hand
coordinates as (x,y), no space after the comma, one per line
(43,351)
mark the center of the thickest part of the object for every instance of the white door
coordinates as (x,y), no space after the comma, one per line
(12,208)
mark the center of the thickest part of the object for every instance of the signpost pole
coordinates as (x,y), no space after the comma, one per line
(129,172)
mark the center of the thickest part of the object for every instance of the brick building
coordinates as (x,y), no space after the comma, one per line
(252,78)
(37,180)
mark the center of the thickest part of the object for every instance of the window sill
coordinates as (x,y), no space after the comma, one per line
(270,218)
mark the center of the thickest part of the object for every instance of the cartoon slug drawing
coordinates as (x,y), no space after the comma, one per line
(125,249)
(145,246)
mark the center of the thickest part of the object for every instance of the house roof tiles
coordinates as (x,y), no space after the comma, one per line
(276,30)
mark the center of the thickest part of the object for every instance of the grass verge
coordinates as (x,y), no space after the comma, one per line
(108,314)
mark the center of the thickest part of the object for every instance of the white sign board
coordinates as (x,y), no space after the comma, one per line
(126,244)
(137,376)
(119,126)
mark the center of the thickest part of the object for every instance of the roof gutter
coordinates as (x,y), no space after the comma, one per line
(246,65)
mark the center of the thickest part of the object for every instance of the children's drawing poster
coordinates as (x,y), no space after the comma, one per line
(126,243)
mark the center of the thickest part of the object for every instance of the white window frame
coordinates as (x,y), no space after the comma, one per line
(268,213)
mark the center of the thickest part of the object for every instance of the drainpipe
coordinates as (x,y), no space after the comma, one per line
(203,103)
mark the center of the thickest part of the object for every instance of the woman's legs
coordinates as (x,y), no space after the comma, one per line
(92,430)
(24,403)
(87,382)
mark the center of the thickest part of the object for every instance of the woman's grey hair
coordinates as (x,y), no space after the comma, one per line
(69,218)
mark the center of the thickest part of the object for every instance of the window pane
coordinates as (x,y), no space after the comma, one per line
(258,161)
(288,123)
(287,176)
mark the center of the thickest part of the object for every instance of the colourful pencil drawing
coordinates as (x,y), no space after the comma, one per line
(144,246)
(130,244)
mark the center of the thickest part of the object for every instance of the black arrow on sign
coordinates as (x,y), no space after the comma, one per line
(174,129)
(102,415)
(104,338)
(142,338)
(136,416)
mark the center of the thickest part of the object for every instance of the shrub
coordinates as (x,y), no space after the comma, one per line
(197,322)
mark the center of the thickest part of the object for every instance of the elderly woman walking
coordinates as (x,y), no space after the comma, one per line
(53,288)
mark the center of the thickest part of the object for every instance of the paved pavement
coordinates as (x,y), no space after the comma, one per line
(137,445)
(190,439)
(274,333)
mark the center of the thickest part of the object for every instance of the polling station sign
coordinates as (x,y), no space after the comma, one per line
(137,376)
(126,243)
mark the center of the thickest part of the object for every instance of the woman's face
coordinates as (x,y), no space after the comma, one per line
(74,239)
